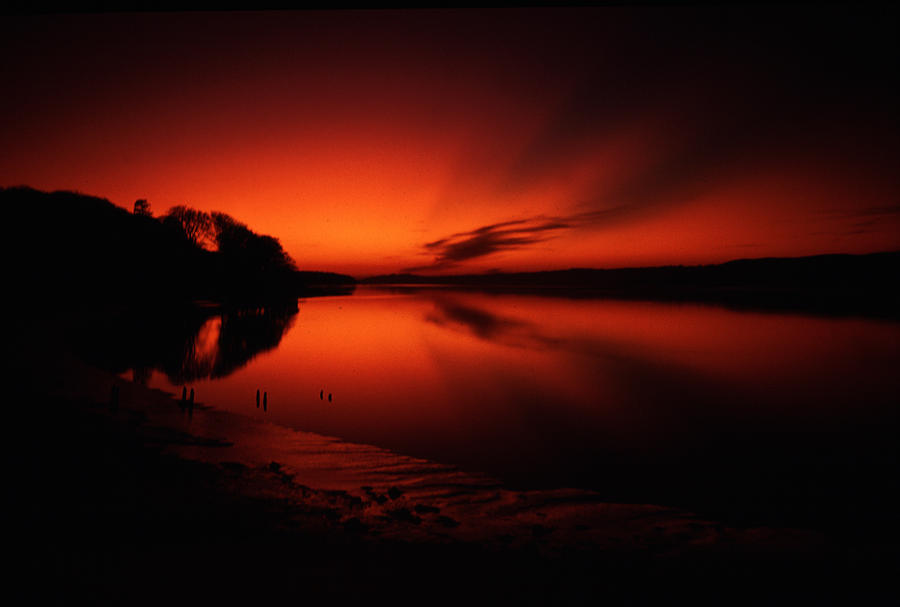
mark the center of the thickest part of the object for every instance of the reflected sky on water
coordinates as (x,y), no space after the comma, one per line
(542,391)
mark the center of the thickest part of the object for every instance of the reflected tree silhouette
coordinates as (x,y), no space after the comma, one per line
(184,343)
(242,334)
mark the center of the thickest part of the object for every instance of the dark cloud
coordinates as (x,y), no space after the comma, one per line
(516,234)
(874,216)
(725,93)
(878,210)
(493,238)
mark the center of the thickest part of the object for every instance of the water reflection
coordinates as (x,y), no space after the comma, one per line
(652,402)
(450,312)
(189,344)
(775,417)
(662,385)
(227,342)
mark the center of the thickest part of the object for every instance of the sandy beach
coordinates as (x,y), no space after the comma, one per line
(131,497)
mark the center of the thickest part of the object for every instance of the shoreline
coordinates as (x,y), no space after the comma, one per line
(419,516)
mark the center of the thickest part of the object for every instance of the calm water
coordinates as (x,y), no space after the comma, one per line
(659,402)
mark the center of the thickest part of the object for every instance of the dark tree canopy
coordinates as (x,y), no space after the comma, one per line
(231,235)
(115,257)
(195,225)
(142,207)
(235,239)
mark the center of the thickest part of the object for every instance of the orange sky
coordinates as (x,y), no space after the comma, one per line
(465,141)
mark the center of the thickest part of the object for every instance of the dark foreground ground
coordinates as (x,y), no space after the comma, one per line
(107,516)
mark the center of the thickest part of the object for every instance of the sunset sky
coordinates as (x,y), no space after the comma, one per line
(465,141)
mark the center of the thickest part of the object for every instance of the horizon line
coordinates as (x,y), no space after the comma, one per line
(612,269)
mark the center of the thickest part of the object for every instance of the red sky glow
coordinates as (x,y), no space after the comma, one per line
(466,141)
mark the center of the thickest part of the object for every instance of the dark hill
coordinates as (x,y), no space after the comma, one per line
(69,247)
(838,284)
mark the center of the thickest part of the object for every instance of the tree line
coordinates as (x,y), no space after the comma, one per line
(222,233)
(88,252)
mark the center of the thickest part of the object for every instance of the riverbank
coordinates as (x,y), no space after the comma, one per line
(127,497)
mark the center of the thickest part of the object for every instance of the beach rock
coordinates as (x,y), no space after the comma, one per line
(394,493)
(355,502)
(404,515)
(372,495)
(446,521)
(355,526)
(331,515)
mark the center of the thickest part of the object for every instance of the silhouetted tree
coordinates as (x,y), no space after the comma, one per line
(142,207)
(231,236)
(267,252)
(195,225)
(257,252)
(116,256)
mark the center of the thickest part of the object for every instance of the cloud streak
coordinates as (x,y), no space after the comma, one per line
(489,239)
(516,234)
(705,118)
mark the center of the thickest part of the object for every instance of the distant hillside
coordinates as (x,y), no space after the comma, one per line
(830,283)
(72,247)
(831,271)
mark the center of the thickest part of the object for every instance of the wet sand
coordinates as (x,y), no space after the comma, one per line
(141,501)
